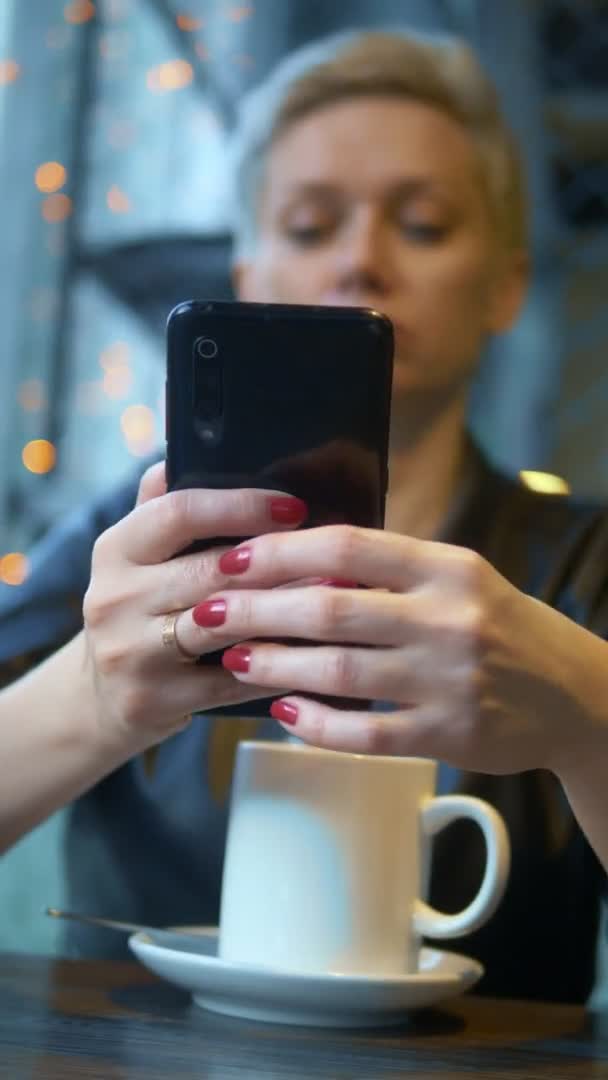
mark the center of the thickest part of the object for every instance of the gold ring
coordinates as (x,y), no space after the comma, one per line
(169,638)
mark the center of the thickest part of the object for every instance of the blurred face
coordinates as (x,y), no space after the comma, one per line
(378,202)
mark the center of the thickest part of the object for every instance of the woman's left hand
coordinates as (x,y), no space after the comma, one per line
(481,675)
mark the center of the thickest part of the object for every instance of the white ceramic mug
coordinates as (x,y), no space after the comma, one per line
(328,856)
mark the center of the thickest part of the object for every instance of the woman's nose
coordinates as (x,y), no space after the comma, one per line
(362,259)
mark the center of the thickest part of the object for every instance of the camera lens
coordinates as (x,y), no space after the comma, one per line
(206,348)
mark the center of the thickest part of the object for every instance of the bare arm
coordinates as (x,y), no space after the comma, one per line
(52,745)
(114,690)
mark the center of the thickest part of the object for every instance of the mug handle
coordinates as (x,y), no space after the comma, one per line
(440,811)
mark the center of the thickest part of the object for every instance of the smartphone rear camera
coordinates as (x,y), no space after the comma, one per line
(206,348)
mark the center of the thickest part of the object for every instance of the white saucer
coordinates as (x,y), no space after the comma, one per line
(257,993)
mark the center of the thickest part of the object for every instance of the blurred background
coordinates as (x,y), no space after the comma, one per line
(113,120)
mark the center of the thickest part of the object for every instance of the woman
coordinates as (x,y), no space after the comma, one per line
(373,169)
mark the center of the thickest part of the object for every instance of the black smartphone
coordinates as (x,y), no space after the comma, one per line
(281,396)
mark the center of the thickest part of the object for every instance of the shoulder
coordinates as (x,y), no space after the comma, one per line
(552,545)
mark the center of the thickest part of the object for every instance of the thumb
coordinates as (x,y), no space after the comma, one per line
(152,484)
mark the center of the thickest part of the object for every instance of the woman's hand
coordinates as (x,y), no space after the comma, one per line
(144,689)
(481,675)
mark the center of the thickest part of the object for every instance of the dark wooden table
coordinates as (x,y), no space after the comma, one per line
(65,1019)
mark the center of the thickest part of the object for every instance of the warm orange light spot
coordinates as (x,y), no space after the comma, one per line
(172,75)
(39,456)
(237,14)
(138,427)
(32,395)
(117,383)
(79,11)
(9,71)
(188,23)
(13,568)
(56,207)
(118,201)
(50,176)
(114,356)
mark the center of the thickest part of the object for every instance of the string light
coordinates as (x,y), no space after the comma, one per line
(547,483)
(172,75)
(118,201)
(188,23)
(79,11)
(56,207)
(114,356)
(238,14)
(39,456)
(139,429)
(14,568)
(9,71)
(50,176)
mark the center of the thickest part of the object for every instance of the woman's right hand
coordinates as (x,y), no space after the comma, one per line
(144,690)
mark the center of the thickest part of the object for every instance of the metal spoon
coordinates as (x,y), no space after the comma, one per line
(204,943)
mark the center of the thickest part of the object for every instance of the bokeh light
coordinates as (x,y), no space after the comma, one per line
(118,201)
(188,23)
(117,383)
(32,395)
(172,75)
(237,14)
(56,207)
(139,429)
(548,483)
(79,11)
(50,176)
(14,568)
(39,456)
(114,356)
(9,71)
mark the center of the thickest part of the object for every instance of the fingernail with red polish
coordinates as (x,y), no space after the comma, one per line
(288,510)
(237,659)
(283,711)
(210,613)
(235,561)
(340,583)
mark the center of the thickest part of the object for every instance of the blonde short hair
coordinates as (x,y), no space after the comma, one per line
(437,70)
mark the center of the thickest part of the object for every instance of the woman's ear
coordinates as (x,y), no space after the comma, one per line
(508,290)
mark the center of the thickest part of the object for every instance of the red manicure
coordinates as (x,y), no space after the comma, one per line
(235,561)
(210,613)
(237,659)
(288,510)
(283,711)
